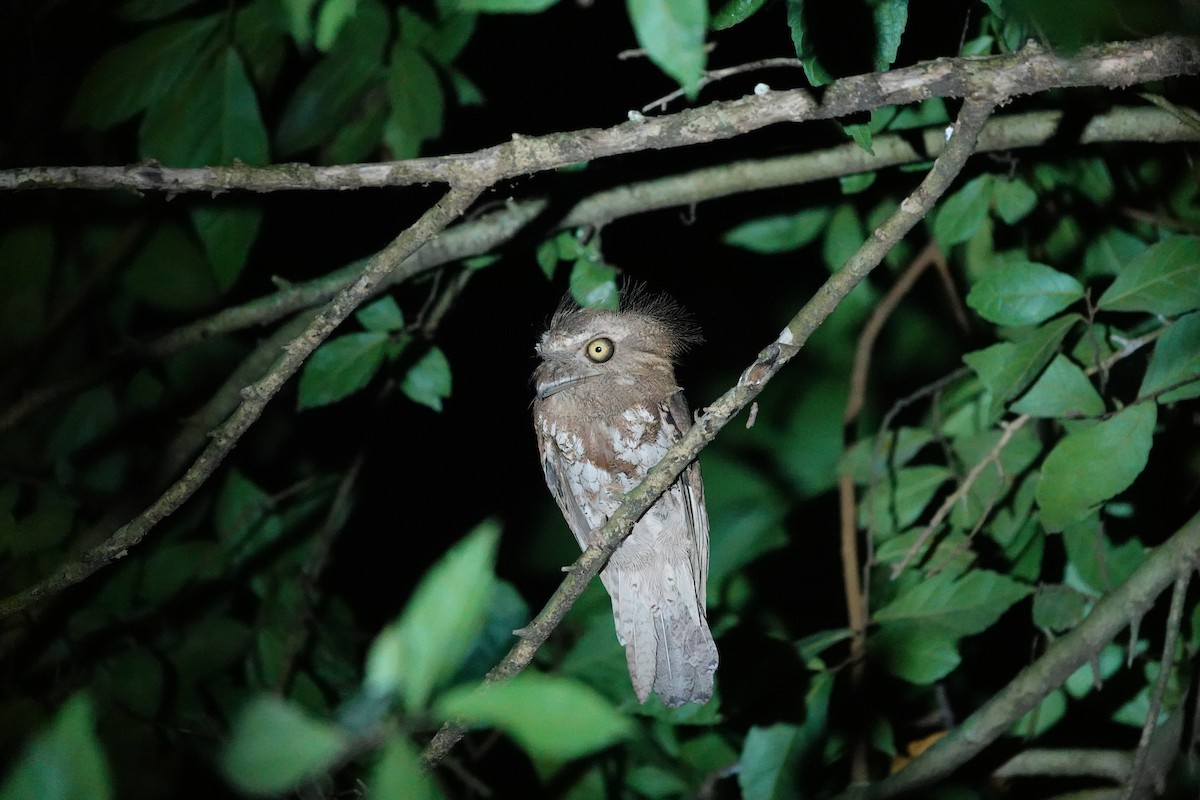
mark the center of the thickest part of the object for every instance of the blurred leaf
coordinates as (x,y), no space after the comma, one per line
(962,213)
(593,284)
(299,20)
(656,782)
(913,653)
(746,513)
(968,605)
(171,568)
(340,367)
(551,718)
(810,451)
(1023,294)
(41,528)
(445,42)
(802,42)
(400,773)
(1081,472)
(170,273)
(843,237)
(210,117)
(733,12)
(151,9)
(924,114)
(890,18)
(504,6)
(64,762)
(135,680)
(1110,252)
(425,646)
(227,232)
(811,646)
(131,77)
(332,89)
(428,381)
(892,505)
(547,257)
(90,416)
(1061,391)
(381,316)
(1165,279)
(672,34)
(1013,198)
(780,233)
(506,612)
(1042,717)
(1176,358)
(1058,608)
(27,256)
(1005,369)
(332,15)
(244,517)
(948,552)
(768,762)
(855,184)
(417,102)
(867,461)
(274,746)
(1100,563)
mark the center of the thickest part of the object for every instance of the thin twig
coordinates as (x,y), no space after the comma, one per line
(770,360)
(714,75)
(1166,666)
(993,455)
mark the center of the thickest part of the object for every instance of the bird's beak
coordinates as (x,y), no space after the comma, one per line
(554,387)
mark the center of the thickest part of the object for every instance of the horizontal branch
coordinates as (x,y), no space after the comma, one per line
(716,416)
(1028,71)
(491,231)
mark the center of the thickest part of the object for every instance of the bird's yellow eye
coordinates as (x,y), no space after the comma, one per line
(599,350)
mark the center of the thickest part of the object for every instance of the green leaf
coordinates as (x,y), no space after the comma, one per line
(1081,471)
(298,14)
(130,78)
(1100,563)
(151,9)
(1014,199)
(780,233)
(843,236)
(890,18)
(913,653)
(1061,391)
(27,253)
(275,746)
(962,213)
(340,367)
(428,381)
(211,117)
(551,718)
(64,761)
(995,481)
(332,16)
(1058,608)
(1165,280)
(444,43)
(962,607)
(381,316)
(504,6)
(244,517)
(856,184)
(867,461)
(802,42)
(1024,293)
(747,513)
(733,12)
(768,762)
(399,772)
(418,103)
(547,257)
(672,34)
(424,647)
(1008,367)
(331,91)
(1110,252)
(1176,359)
(91,415)
(892,505)
(506,611)
(593,284)
(227,233)
(169,273)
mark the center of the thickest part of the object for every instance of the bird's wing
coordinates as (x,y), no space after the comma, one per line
(556,469)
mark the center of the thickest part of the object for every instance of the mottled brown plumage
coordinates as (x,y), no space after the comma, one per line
(607,409)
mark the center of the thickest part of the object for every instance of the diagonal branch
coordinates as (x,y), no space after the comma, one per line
(1030,70)
(971,119)
(1133,598)
(254,400)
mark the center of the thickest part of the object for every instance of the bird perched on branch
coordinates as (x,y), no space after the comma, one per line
(607,409)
